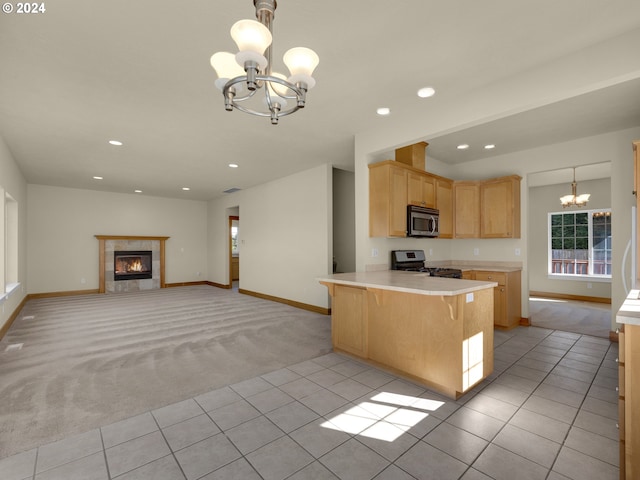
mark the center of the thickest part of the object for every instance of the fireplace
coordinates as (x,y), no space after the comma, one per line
(132,265)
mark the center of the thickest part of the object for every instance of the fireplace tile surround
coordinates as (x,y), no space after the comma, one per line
(108,244)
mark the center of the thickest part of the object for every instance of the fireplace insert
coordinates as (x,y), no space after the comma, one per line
(132,265)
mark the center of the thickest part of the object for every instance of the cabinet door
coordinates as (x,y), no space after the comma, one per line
(349,320)
(387,200)
(398,203)
(421,189)
(444,203)
(466,217)
(500,296)
(500,208)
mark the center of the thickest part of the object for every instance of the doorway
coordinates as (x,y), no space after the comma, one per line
(234,252)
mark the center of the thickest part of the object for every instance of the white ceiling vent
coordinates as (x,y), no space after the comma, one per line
(232,189)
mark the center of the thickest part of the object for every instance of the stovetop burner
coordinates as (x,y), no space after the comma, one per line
(413,261)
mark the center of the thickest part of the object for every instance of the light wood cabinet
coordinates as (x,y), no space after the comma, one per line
(444,342)
(421,189)
(387,200)
(393,186)
(500,207)
(629,373)
(466,216)
(507,304)
(349,330)
(487,209)
(629,403)
(444,203)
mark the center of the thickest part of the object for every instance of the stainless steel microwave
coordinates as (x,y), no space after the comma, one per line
(422,221)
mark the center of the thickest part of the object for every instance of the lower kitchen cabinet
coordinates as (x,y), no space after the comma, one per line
(629,401)
(507,308)
(349,328)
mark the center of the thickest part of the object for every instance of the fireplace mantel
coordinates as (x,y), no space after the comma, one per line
(101,254)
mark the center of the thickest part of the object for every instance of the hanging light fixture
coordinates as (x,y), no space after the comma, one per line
(242,75)
(574,199)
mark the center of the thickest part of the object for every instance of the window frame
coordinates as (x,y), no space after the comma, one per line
(589,276)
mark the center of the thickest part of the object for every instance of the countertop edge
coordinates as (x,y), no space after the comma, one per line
(479,285)
(629,313)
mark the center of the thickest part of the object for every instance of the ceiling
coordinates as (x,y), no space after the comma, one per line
(83,73)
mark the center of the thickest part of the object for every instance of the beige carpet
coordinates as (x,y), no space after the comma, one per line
(91,360)
(586,318)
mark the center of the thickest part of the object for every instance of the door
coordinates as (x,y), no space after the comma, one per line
(234,252)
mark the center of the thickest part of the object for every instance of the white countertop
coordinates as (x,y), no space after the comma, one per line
(408,282)
(629,312)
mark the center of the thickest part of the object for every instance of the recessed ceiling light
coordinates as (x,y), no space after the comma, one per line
(489,147)
(186,189)
(137,191)
(97,178)
(115,142)
(233,165)
(463,146)
(383,111)
(426,92)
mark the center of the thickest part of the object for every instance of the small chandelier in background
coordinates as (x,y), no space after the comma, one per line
(574,199)
(242,75)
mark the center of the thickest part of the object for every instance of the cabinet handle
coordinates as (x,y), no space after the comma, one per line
(502,289)
(617,389)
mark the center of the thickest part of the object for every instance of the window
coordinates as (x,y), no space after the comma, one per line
(580,243)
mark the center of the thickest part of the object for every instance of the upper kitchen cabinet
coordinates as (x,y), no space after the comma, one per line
(444,203)
(500,207)
(421,188)
(387,199)
(393,186)
(466,217)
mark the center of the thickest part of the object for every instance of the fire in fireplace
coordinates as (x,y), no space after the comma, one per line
(132,265)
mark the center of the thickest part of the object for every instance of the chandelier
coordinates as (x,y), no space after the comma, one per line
(248,72)
(574,199)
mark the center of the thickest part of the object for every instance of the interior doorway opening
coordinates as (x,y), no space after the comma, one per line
(234,250)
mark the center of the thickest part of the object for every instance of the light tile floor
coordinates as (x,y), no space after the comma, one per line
(548,411)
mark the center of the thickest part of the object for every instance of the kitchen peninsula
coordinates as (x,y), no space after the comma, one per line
(438,331)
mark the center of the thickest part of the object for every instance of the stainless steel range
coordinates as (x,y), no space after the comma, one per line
(413,261)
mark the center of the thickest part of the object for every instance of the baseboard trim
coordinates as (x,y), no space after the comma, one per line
(613,337)
(564,296)
(5,328)
(185,284)
(303,306)
(219,285)
(62,294)
(525,321)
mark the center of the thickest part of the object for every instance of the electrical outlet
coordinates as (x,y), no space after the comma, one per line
(469,297)
(517,252)
(374,252)
(476,251)
(83,281)
(589,285)
(431,252)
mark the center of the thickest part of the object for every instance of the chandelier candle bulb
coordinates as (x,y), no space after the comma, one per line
(226,67)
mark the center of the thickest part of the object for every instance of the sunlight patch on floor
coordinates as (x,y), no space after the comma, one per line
(386,416)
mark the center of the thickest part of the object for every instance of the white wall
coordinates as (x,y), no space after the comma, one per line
(13,182)
(285,236)
(544,200)
(63,222)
